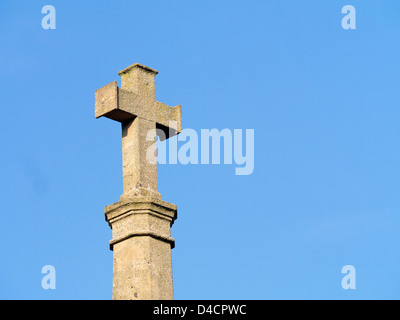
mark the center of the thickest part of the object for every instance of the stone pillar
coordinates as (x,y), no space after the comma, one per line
(141,241)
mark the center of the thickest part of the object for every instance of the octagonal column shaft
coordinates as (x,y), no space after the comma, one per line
(142,244)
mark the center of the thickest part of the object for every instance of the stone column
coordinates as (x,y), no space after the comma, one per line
(141,241)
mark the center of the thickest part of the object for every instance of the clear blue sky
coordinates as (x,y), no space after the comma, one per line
(325,106)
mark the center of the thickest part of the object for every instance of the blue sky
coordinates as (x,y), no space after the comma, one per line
(323,102)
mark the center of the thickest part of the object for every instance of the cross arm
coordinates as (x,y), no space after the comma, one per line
(169,119)
(120,105)
(107,103)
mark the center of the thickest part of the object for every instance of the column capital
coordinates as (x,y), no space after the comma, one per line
(141,217)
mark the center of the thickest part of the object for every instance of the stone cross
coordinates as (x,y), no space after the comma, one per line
(140,221)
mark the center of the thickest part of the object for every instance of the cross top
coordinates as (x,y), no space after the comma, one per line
(134,105)
(136,98)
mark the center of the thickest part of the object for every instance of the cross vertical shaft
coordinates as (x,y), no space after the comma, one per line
(139,176)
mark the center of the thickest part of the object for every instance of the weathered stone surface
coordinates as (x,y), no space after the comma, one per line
(136,98)
(140,221)
(139,176)
(142,245)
